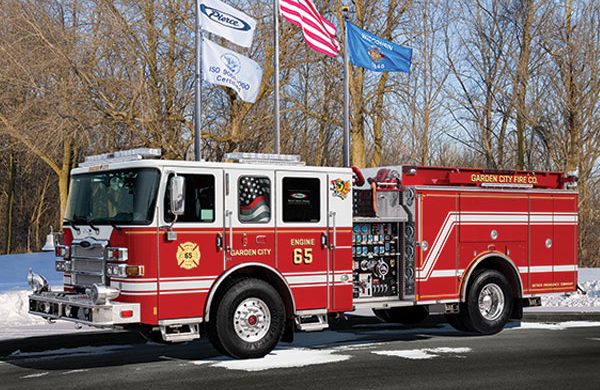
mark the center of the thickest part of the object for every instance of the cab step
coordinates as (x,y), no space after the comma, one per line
(179,333)
(312,322)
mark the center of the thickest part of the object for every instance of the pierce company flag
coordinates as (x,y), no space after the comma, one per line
(226,67)
(377,54)
(319,33)
(223,20)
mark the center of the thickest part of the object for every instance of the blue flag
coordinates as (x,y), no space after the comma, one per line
(377,54)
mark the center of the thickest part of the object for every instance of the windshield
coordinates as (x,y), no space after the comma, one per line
(123,197)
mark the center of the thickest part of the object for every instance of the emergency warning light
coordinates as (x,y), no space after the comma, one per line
(263,158)
(122,156)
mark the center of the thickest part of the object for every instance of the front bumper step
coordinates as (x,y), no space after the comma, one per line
(80,309)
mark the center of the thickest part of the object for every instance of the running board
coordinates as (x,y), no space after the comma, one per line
(312,323)
(179,333)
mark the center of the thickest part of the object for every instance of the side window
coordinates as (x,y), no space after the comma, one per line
(254,199)
(301,200)
(199,200)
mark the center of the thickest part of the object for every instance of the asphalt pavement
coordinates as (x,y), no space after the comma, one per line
(359,353)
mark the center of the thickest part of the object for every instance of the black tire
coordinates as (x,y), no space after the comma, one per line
(410,315)
(255,300)
(493,322)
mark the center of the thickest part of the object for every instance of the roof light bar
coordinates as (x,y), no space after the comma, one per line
(122,156)
(263,158)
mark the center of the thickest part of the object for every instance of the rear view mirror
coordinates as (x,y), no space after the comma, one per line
(177,185)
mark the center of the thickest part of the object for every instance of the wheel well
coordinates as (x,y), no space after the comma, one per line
(498,263)
(257,271)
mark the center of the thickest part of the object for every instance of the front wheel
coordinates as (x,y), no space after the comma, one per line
(248,320)
(488,304)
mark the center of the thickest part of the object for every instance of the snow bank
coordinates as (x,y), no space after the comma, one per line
(14,308)
(591,299)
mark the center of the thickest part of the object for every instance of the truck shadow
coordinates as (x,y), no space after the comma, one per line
(108,349)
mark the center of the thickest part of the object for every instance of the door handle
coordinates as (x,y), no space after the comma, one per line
(229,216)
(261,239)
(324,240)
(332,215)
(219,242)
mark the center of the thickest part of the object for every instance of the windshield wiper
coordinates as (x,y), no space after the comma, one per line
(72,223)
(89,222)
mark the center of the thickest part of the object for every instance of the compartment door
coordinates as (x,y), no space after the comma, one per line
(541,244)
(565,243)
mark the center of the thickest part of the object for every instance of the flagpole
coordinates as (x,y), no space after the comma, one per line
(345,10)
(198,87)
(277,101)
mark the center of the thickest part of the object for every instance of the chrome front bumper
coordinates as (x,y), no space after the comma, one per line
(79,308)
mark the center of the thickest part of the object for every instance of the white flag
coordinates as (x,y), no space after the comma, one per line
(227,22)
(225,67)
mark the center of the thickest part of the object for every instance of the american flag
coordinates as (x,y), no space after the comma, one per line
(255,199)
(319,33)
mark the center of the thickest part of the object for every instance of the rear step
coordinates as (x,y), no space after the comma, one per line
(311,323)
(178,333)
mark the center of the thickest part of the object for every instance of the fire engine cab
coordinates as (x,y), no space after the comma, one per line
(250,250)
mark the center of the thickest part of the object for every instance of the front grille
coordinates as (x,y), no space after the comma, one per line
(94,251)
(81,280)
(87,262)
(87,266)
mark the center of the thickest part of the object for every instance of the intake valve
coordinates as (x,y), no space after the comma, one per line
(382,269)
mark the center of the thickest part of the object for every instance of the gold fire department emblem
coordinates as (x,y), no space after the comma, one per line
(188,255)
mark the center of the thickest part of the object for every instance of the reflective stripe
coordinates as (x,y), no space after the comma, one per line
(185,285)
(134,287)
(293,280)
(540,269)
(565,268)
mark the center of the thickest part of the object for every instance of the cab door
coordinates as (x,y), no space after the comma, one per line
(249,217)
(302,237)
(191,255)
(339,228)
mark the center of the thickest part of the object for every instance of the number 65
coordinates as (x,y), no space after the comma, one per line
(303,255)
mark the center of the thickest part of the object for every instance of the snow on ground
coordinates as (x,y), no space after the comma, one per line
(425,353)
(279,358)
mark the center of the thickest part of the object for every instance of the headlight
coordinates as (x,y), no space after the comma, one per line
(116,254)
(123,270)
(100,294)
(62,266)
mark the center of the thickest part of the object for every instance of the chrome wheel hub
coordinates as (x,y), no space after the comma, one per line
(252,320)
(491,302)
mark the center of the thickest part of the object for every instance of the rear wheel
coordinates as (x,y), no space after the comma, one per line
(248,320)
(403,315)
(488,304)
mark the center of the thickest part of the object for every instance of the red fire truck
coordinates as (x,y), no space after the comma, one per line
(250,250)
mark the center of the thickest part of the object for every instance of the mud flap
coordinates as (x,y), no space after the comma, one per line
(288,332)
